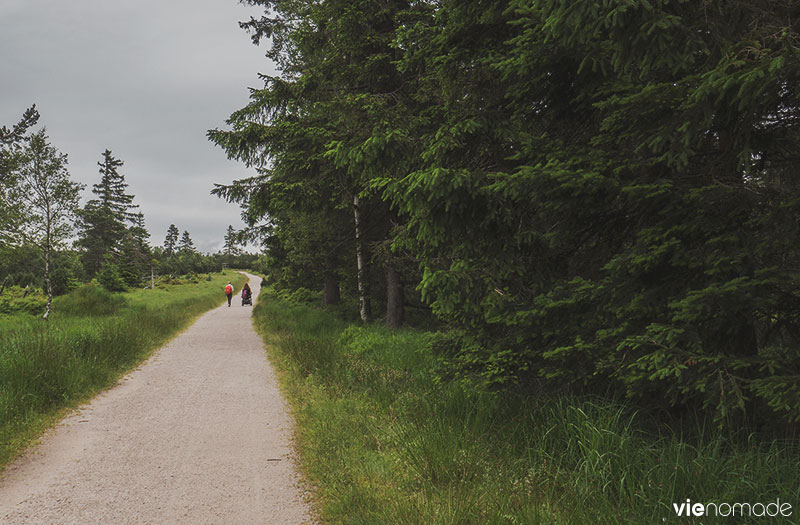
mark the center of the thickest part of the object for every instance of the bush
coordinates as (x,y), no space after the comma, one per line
(63,280)
(14,300)
(131,276)
(110,278)
(24,279)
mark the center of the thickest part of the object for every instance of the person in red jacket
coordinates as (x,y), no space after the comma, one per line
(229,292)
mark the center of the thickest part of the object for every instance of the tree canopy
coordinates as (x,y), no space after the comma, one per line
(592,194)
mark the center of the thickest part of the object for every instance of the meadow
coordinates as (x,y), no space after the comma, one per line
(383,437)
(92,338)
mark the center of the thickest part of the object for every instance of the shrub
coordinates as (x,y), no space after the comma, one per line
(110,278)
(63,280)
(14,300)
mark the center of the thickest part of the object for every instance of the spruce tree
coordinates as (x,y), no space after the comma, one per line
(104,219)
(12,142)
(327,129)
(111,190)
(135,257)
(230,247)
(604,200)
(171,240)
(186,245)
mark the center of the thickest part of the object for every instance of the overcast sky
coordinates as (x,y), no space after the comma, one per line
(145,79)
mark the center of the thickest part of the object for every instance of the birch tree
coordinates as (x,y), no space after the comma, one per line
(50,201)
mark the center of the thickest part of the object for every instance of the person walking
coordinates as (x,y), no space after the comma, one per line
(246,295)
(229,292)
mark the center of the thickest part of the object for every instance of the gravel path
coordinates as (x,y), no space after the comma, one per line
(198,434)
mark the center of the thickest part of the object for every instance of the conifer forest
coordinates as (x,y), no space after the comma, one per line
(599,197)
(509,261)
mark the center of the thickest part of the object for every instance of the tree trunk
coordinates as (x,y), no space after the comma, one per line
(47,281)
(331,294)
(394,297)
(3,286)
(363,289)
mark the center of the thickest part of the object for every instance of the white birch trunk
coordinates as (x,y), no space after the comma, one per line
(363,294)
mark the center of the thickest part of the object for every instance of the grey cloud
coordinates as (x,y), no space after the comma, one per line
(144,78)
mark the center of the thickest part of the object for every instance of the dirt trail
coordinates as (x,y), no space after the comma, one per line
(198,434)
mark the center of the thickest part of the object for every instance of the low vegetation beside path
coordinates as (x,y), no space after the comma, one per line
(383,438)
(92,337)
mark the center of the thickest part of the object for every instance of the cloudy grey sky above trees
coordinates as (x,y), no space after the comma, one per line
(145,79)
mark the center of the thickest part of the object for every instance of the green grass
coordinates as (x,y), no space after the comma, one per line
(91,339)
(382,441)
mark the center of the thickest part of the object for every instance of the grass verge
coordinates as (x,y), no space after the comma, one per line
(91,339)
(382,441)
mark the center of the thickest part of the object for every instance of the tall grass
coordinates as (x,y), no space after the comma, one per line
(92,337)
(383,442)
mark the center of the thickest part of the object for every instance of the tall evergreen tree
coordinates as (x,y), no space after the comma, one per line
(171,240)
(619,166)
(135,257)
(138,230)
(186,245)
(12,142)
(230,247)
(104,219)
(111,190)
(325,126)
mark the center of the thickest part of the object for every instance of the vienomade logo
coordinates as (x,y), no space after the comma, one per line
(772,509)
